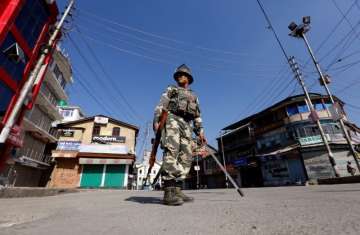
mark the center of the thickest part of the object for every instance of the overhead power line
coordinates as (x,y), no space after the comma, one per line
(160,36)
(90,67)
(109,79)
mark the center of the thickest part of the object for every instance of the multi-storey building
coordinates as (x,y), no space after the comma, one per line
(94,152)
(33,158)
(281,145)
(24,28)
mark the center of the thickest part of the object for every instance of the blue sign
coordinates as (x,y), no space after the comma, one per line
(68,145)
(240,162)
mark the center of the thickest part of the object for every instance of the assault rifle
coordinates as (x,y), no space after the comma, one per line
(156,143)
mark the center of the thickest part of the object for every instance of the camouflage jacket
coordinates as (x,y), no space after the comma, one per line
(176,99)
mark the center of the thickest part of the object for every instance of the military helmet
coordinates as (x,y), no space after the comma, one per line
(183,70)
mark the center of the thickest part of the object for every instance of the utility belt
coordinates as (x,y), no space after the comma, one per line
(185,115)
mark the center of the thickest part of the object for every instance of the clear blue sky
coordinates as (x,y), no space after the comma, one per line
(237,65)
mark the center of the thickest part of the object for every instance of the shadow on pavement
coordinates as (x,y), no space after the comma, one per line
(144,200)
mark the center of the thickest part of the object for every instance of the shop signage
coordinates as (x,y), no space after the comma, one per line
(68,145)
(104,148)
(101,120)
(67,133)
(310,140)
(97,161)
(109,139)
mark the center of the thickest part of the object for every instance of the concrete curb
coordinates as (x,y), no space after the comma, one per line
(341,180)
(33,192)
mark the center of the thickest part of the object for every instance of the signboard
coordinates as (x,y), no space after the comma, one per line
(109,139)
(107,161)
(67,133)
(310,140)
(103,148)
(196,168)
(101,120)
(68,145)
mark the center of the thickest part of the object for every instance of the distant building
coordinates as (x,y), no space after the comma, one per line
(32,160)
(141,170)
(70,113)
(281,145)
(94,152)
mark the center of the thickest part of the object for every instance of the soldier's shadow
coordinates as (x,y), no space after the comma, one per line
(144,200)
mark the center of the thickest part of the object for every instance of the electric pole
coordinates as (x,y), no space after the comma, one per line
(299,31)
(30,81)
(313,113)
(295,69)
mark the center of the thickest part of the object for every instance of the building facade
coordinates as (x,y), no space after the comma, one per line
(33,159)
(24,27)
(281,145)
(94,152)
(141,170)
(70,113)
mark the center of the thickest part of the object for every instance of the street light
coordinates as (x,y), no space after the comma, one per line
(299,31)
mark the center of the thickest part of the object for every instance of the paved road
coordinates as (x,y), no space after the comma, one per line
(284,210)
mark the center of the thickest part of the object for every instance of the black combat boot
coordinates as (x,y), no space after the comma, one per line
(170,196)
(180,194)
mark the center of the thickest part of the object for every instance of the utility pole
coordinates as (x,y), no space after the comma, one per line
(295,68)
(30,81)
(299,31)
(313,113)
(223,158)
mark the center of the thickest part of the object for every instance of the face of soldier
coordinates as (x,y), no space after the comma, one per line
(183,81)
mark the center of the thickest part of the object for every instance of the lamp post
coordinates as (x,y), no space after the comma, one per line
(299,31)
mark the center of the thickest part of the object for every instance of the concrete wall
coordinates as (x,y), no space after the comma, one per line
(66,173)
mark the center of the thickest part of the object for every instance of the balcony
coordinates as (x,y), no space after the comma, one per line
(48,105)
(37,131)
(323,114)
(53,83)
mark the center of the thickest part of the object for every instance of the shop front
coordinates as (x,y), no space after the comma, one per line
(284,169)
(104,173)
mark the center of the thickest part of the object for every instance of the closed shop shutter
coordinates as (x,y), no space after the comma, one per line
(115,175)
(91,176)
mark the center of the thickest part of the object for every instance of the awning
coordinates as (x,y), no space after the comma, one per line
(279,151)
(105,161)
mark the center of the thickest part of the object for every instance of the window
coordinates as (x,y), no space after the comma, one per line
(303,108)
(96,130)
(59,75)
(319,106)
(140,172)
(116,131)
(292,110)
(66,113)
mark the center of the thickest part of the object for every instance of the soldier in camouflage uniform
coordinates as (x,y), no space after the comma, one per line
(183,110)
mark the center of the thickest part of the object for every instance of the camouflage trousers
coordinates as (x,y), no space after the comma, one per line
(176,141)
